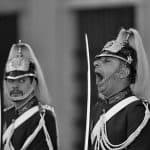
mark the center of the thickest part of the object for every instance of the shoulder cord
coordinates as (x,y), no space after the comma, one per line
(36,131)
(48,139)
(50,108)
(9,146)
(102,138)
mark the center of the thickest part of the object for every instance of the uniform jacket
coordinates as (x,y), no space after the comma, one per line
(122,124)
(26,128)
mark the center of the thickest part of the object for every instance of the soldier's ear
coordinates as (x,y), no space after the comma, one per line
(123,72)
(34,83)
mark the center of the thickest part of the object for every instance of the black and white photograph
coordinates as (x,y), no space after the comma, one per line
(75,75)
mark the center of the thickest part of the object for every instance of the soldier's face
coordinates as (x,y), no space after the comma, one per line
(105,69)
(18,87)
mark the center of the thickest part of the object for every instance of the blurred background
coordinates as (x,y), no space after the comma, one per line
(55,30)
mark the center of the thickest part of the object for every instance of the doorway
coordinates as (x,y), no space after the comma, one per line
(101,26)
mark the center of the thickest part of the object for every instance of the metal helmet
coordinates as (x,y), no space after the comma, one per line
(22,62)
(129,48)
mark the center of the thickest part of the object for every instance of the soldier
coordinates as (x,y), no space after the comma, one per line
(120,119)
(29,124)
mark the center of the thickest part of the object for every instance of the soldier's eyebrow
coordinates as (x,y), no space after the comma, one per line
(10,80)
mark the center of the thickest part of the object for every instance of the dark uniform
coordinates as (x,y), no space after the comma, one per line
(22,133)
(30,124)
(123,120)
(124,123)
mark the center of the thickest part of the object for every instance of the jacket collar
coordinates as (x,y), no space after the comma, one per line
(27,106)
(119,96)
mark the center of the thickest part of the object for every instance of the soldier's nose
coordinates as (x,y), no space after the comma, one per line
(97,63)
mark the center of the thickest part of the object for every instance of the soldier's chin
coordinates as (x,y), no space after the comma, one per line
(101,96)
(101,84)
(101,89)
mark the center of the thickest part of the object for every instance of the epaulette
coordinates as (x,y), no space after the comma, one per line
(48,107)
(8,108)
(51,109)
(43,108)
(145,101)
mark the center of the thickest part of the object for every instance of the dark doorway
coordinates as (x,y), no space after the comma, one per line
(101,25)
(8,35)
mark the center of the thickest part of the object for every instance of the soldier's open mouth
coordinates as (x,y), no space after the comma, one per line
(99,76)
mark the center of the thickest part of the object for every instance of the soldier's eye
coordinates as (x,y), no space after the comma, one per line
(107,60)
(22,80)
(10,81)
